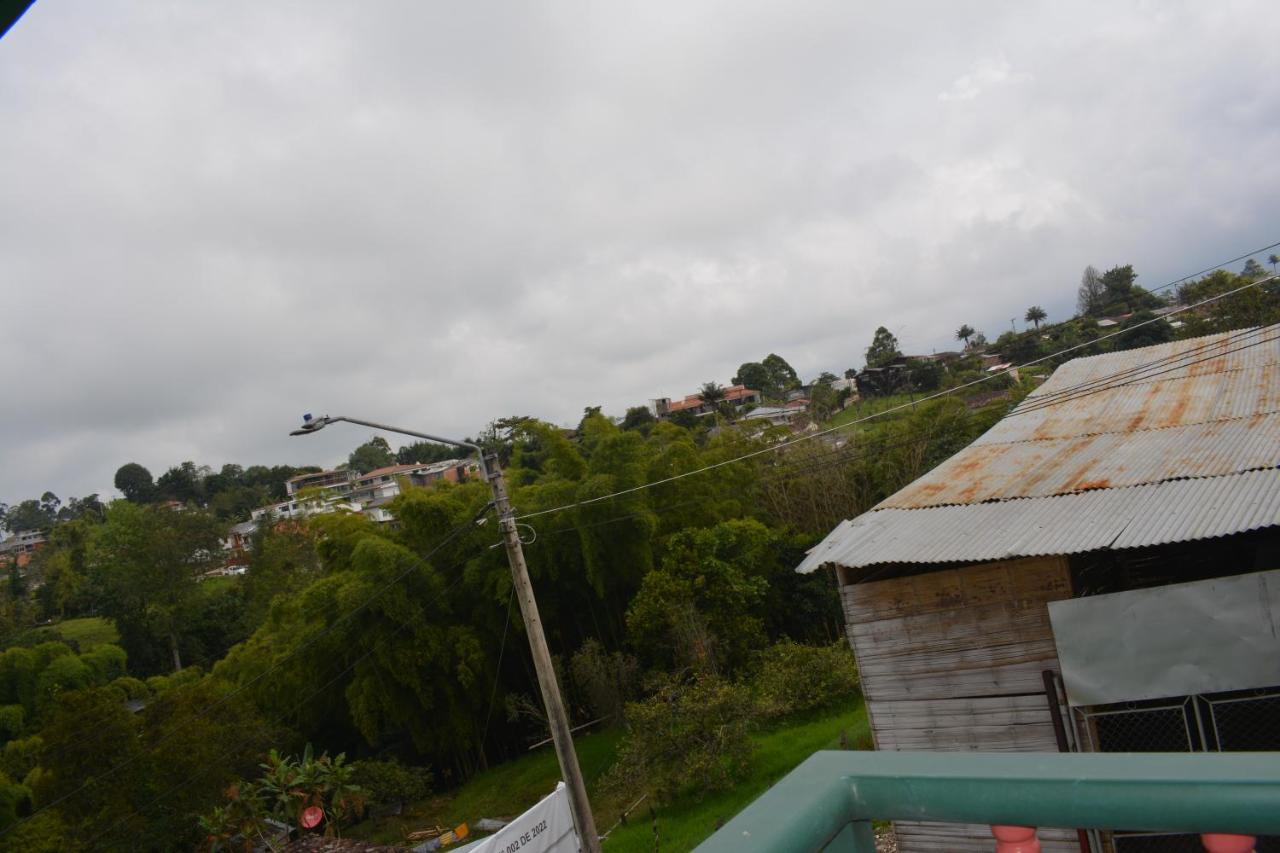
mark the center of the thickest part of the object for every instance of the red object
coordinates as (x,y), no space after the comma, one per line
(1015,839)
(311,817)
(1220,842)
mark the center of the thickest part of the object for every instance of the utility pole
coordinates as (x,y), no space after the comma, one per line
(557,717)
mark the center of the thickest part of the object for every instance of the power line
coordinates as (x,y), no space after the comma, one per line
(809,437)
(1141,372)
(788,472)
(497,670)
(1213,268)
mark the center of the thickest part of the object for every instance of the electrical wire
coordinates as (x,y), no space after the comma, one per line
(1136,371)
(1058,397)
(947,392)
(791,471)
(497,670)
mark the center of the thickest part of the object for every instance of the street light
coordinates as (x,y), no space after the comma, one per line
(556,714)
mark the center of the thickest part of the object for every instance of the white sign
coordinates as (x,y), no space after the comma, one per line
(545,828)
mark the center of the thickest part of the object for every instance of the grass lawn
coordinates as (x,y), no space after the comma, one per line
(504,791)
(87,631)
(507,790)
(684,825)
(870,406)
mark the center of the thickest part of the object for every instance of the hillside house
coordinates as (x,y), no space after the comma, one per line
(1098,572)
(339,481)
(737,396)
(19,548)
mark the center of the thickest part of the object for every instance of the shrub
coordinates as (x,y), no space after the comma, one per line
(287,789)
(12,798)
(43,832)
(107,662)
(794,678)
(386,782)
(159,684)
(21,756)
(11,721)
(689,735)
(131,688)
(63,674)
(604,681)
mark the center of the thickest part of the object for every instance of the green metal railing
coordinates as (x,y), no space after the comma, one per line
(829,801)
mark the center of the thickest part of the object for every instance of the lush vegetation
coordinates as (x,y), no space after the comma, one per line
(141,701)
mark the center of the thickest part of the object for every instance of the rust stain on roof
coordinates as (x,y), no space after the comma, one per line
(1194,408)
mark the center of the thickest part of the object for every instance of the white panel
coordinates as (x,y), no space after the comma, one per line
(1201,637)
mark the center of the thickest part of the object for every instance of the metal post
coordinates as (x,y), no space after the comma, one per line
(557,718)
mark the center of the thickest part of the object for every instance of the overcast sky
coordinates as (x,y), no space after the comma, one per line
(217,216)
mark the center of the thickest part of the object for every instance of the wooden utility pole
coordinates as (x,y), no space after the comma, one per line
(557,717)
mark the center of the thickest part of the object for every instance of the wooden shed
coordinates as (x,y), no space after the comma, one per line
(1058,584)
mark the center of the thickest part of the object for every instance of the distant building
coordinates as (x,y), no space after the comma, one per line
(19,547)
(737,396)
(350,491)
(339,481)
(240,538)
(775,415)
(843,384)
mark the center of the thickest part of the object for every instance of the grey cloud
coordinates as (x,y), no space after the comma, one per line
(216,217)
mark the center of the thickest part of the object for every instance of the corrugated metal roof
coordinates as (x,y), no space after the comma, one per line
(1137,517)
(1057,466)
(1154,457)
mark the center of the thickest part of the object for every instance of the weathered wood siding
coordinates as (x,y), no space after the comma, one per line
(952,661)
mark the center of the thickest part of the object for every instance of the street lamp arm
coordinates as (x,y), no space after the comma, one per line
(328,419)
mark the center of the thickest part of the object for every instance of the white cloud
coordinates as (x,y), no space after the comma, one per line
(986,73)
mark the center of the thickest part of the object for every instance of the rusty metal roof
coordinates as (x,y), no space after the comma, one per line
(1161,444)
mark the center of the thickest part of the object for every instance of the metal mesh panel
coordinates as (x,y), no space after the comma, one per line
(1249,723)
(1226,722)
(1141,727)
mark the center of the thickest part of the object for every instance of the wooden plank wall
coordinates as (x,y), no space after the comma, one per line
(952,661)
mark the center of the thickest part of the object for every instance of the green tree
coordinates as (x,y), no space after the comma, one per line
(73,763)
(374,453)
(30,514)
(1273,260)
(755,376)
(691,737)
(1034,315)
(422,452)
(284,560)
(713,394)
(703,607)
(1090,294)
(1253,269)
(782,376)
(146,562)
(183,483)
(638,417)
(964,333)
(883,349)
(822,402)
(1142,330)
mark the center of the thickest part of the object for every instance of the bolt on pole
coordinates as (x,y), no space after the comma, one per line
(557,717)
